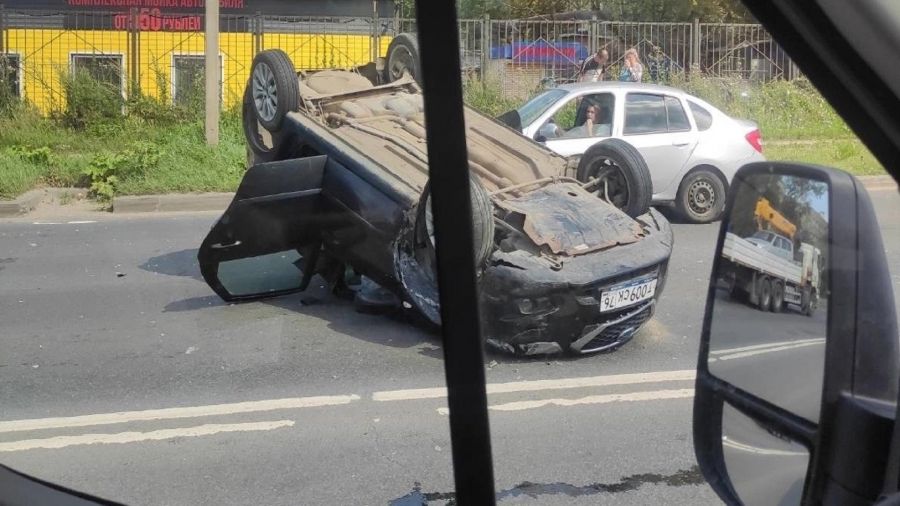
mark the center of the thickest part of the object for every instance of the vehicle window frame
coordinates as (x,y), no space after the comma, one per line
(667,99)
(692,105)
(464,364)
(580,110)
(625,131)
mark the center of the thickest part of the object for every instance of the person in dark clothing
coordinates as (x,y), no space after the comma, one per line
(594,68)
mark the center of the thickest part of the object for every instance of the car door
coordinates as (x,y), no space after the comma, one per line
(267,241)
(570,119)
(657,125)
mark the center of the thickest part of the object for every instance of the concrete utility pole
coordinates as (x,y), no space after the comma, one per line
(212,72)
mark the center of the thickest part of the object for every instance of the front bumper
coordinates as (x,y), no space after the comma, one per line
(530,308)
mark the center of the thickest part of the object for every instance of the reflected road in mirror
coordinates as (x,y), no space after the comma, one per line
(769,321)
(765,470)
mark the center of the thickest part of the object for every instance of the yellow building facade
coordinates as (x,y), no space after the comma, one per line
(37,58)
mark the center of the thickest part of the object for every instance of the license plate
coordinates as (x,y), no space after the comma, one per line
(626,295)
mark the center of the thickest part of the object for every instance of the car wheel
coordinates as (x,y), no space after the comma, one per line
(618,174)
(402,56)
(764,288)
(811,305)
(260,142)
(274,87)
(777,296)
(482,221)
(701,197)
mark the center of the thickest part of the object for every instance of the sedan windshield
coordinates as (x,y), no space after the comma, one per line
(763,236)
(538,105)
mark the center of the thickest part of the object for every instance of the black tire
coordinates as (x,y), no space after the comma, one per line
(701,197)
(777,296)
(258,150)
(403,55)
(731,287)
(482,220)
(617,163)
(275,88)
(764,288)
(813,303)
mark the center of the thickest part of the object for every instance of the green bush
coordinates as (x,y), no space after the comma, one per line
(89,100)
(487,97)
(107,169)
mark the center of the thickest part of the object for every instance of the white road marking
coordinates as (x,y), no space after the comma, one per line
(766,345)
(46,223)
(746,354)
(761,451)
(654,395)
(134,437)
(556,384)
(173,413)
(82,222)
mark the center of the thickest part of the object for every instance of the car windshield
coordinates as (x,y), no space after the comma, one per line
(530,111)
(219,269)
(763,236)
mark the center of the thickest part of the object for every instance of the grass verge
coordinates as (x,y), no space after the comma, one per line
(128,156)
(846,154)
(158,148)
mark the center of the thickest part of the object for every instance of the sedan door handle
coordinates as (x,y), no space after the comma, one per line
(680,144)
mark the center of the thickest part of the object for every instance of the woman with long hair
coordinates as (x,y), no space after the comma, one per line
(632,70)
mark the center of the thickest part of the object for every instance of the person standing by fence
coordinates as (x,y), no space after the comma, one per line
(632,70)
(593,69)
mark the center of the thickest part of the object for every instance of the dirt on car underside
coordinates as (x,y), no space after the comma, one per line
(387,123)
(528,184)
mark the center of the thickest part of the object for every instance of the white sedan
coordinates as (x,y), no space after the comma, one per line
(691,148)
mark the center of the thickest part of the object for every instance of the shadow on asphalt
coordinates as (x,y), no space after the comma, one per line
(341,314)
(672,215)
(194,303)
(177,263)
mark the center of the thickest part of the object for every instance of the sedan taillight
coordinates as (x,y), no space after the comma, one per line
(755,140)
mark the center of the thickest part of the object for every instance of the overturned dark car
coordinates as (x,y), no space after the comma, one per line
(339,180)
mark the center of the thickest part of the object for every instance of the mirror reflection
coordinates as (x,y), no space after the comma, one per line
(765,468)
(767,334)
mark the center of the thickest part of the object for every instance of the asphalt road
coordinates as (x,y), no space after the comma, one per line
(123,375)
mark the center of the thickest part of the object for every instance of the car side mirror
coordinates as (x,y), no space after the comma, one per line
(797,376)
(548,130)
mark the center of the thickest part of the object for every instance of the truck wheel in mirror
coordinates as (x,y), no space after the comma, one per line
(778,393)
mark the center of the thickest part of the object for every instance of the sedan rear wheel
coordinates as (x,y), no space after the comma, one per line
(701,197)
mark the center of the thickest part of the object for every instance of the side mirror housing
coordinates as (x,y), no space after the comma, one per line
(797,378)
(548,130)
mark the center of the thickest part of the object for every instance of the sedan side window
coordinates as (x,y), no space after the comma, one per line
(645,114)
(587,116)
(678,121)
(702,117)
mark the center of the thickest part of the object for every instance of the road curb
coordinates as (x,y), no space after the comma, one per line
(214,201)
(23,204)
(172,202)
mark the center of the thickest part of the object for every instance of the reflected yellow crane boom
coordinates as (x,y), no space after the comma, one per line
(767,215)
